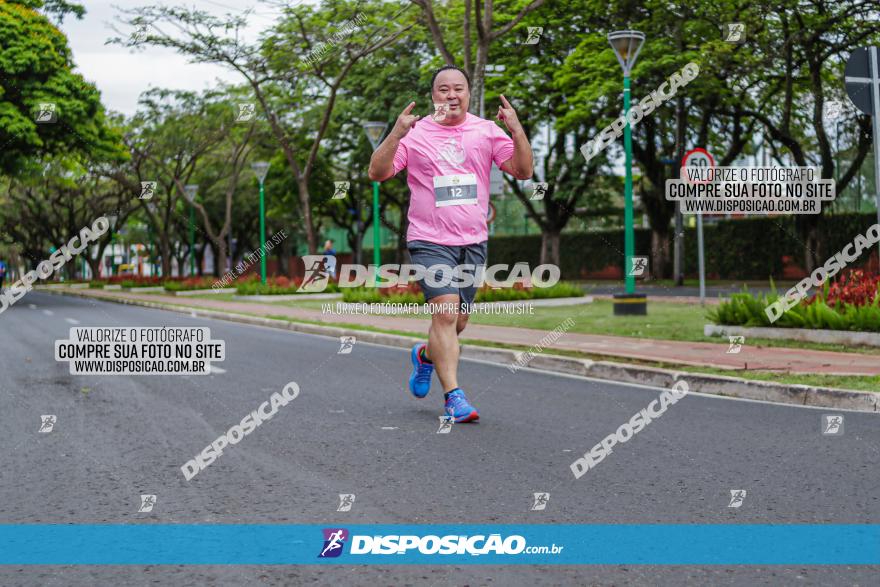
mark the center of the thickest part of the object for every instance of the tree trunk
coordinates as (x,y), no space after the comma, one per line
(219,247)
(808,227)
(94,266)
(308,221)
(283,258)
(165,248)
(660,256)
(550,247)
(182,266)
(199,253)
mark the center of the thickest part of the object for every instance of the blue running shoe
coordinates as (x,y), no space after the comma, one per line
(420,380)
(458,407)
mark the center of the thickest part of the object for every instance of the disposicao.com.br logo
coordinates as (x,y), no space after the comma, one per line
(479,544)
(318,275)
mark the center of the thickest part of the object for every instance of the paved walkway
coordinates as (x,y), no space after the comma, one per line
(704,354)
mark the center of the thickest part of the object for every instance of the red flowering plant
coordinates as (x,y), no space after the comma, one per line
(853,286)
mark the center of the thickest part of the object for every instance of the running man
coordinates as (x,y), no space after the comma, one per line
(448,156)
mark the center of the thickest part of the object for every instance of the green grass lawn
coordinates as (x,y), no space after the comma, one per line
(782,285)
(666,321)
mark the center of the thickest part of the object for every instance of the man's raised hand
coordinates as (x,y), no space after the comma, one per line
(405,121)
(507,114)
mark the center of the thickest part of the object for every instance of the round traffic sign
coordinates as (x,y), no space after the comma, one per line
(698,157)
(860,77)
(491,213)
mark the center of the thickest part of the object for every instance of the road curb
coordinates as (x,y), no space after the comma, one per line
(845,337)
(806,395)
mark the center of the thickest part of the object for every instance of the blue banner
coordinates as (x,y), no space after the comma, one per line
(279,544)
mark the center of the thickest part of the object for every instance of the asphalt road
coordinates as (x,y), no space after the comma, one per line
(354,429)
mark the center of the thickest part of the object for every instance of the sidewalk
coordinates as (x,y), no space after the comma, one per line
(701,354)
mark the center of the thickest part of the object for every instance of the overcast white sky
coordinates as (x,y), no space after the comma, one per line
(121,74)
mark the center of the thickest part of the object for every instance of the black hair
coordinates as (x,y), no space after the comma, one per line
(447,67)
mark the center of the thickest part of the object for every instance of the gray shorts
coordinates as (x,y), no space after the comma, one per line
(428,254)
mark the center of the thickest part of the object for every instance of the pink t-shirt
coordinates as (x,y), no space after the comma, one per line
(430,150)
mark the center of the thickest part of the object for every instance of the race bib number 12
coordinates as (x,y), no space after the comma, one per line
(455,190)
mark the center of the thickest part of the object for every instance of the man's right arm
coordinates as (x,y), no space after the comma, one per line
(382,161)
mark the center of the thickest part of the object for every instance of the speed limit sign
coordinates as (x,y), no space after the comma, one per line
(700,158)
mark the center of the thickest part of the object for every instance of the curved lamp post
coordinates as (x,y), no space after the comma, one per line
(626,45)
(375,131)
(261,168)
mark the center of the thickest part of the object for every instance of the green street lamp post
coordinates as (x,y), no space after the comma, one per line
(626,45)
(261,168)
(375,131)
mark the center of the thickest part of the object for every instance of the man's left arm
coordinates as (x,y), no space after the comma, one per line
(521,164)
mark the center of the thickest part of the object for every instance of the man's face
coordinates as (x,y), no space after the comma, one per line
(451,88)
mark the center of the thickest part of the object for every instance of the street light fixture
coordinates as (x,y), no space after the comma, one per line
(189,192)
(626,45)
(261,168)
(375,131)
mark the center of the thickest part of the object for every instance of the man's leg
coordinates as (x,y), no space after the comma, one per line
(443,349)
(462,322)
(473,256)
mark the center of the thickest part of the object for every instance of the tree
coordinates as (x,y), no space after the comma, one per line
(474,47)
(294,104)
(168,138)
(811,42)
(45,108)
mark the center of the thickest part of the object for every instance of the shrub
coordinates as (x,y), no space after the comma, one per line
(278,285)
(853,286)
(189,284)
(412,294)
(96,284)
(850,302)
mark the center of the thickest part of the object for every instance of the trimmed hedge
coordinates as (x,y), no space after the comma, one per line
(744,248)
(413,295)
(751,248)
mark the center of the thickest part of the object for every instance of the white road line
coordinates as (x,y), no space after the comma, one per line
(217,370)
(72,320)
(48,312)
(389,427)
(32,306)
